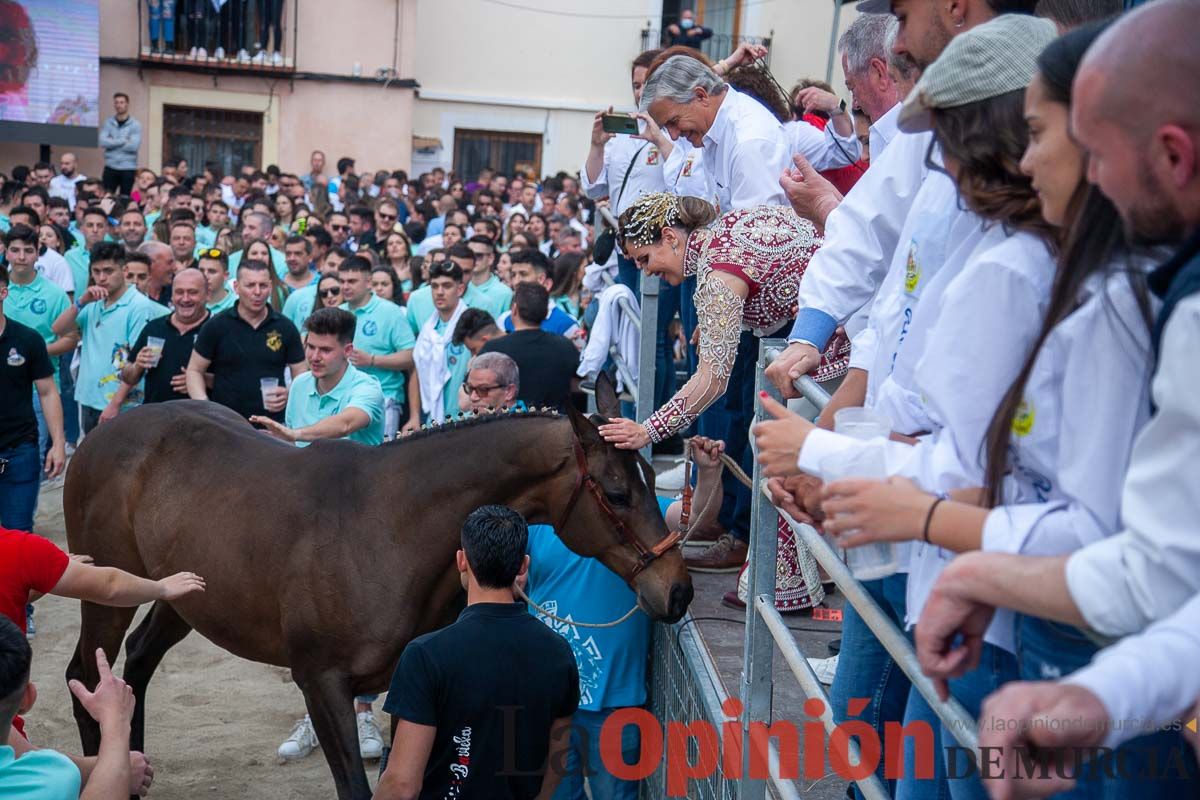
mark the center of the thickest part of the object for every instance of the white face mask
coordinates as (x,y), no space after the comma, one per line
(686,23)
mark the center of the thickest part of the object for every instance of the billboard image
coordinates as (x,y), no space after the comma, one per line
(50,71)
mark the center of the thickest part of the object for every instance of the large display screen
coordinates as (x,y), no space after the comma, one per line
(50,71)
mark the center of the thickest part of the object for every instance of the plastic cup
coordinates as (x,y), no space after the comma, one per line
(870,561)
(155,345)
(267,386)
(861,423)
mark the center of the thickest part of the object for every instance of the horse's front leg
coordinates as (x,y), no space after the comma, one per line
(331,705)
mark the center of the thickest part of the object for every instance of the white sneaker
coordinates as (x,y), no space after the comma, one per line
(302,741)
(219,53)
(825,668)
(277,59)
(671,480)
(370,738)
(243,56)
(201,53)
(193,52)
(260,57)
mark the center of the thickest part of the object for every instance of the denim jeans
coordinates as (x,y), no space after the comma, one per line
(162,17)
(866,670)
(583,760)
(914,785)
(739,409)
(664,359)
(43,444)
(89,418)
(1051,650)
(19,484)
(628,274)
(66,391)
(996,667)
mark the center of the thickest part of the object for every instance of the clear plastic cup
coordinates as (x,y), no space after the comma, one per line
(155,345)
(871,561)
(267,386)
(861,423)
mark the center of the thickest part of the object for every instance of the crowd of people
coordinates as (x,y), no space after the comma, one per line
(985,253)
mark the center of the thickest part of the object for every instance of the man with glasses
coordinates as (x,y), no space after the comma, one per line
(339,229)
(491,384)
(491,293)
(387,214)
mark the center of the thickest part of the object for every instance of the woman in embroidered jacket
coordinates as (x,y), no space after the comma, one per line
(748,264)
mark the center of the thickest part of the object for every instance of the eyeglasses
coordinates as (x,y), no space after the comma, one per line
(391,217)
(339,227)
(480,391)
(334,292)
(212,252)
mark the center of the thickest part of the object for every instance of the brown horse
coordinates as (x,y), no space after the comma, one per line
(329,559)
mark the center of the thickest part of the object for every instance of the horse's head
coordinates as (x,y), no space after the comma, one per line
(615,516)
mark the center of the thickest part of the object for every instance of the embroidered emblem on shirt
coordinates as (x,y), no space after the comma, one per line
(274,342)
(1024,418)
(38,306)
(912,271)
(687,166)
(15,359)
(652,156)
(370,328)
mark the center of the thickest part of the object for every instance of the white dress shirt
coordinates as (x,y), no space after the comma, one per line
(824,149)
(861,235)
(645,177)
(64,187)
(883,130)
(1086,399)
(1152,567)
(684,171)
(745,152)
(1140,700)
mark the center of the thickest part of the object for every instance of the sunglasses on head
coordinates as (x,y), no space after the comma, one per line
(212,252)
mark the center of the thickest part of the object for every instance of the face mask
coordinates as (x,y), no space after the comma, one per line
(686,23)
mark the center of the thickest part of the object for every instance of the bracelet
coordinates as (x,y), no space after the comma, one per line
(929,517)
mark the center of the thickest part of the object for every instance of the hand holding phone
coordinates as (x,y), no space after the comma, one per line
(619,123)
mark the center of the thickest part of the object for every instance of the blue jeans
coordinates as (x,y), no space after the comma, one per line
(866,670)
(714,421)
(739,410)
(1051,650)
(910,785)
(628,274)
(583,760)
(43,444)
(19,484)
(996,667)
(664,359)
(162,17)
(66,391)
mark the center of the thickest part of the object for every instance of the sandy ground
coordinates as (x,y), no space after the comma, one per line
(213,720)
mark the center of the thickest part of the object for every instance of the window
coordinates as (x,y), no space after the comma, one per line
(507,152)
(229,138)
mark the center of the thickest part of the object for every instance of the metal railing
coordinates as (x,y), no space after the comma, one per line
(715,47)
(766,630)
(236,27)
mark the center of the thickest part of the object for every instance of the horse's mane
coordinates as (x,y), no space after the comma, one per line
(470,421)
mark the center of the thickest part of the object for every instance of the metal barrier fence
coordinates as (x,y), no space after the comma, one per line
(766,630)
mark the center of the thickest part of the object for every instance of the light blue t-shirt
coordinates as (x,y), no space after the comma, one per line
(108,333)
(37,304)
(306,406)
(38,775)
(299,306)
(611,661)
(80,261)
(277,261)
(224,304)
(493,296)
(381,329)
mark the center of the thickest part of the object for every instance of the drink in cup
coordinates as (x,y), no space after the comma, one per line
(268,386)
(155,345)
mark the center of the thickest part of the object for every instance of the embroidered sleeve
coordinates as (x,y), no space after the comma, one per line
(719,312)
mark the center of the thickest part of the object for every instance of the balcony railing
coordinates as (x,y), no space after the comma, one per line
(715,47)
(257,36)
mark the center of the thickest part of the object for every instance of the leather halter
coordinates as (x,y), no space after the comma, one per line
(584,479)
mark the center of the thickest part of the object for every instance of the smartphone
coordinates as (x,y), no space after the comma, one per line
(619,123)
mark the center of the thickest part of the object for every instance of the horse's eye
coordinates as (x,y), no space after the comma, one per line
(617,499)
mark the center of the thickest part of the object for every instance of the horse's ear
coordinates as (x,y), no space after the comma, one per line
(585,427)
(607,403)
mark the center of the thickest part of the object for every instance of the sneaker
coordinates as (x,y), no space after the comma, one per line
(194,52)
(243,57)
(825,669)
(671,480)
(370,738)
(219,53)
(201,53)
(30,629)
(727,554)
(302,741)
(260,57)
(277,59)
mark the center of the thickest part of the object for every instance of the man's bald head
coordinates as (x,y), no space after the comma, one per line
(1136,110)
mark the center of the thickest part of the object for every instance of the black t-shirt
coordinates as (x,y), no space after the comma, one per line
(492,684)
(23,360)
(177,351)
(241,356)
(547,363)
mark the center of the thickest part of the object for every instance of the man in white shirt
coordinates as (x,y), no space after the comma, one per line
(1146,575)
(64,183)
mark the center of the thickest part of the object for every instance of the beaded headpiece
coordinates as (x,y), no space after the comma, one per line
(642,222)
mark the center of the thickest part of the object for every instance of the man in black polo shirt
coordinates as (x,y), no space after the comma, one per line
(481,706)
(547,360)
(245,344)
(165,366)
(24,367)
